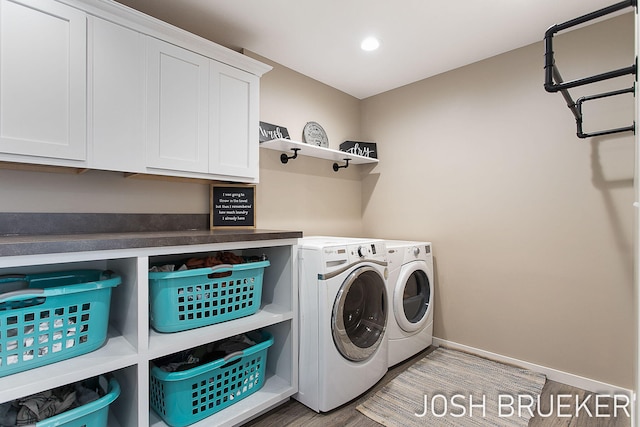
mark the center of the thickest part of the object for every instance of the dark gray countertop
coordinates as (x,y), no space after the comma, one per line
(45,244)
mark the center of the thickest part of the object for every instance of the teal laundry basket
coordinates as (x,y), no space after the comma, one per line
(185,397)
(187,299)
(49,317)
(92,414)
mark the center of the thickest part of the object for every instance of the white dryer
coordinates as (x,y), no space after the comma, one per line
(411,294)
(343,316)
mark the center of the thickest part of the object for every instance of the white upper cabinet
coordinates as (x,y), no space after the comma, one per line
(178,108)
(42,81)
(234,126)
(95,84)
(117,97)
(202,115)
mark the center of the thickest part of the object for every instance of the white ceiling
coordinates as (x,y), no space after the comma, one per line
(419,38)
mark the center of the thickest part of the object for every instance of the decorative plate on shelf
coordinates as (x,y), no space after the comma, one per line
(314,134)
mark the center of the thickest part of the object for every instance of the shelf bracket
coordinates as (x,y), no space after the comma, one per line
(284,158)
(336,167)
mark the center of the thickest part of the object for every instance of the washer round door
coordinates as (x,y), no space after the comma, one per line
(412,297)
(359,315)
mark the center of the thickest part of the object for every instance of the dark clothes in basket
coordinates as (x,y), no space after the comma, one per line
(37,407)
(203,354)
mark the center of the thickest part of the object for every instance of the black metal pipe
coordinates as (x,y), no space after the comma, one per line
(578,107)
(549,62)
(590,16)
(592,79)
(604,95)
(582,135)
(567,97)
(553,80)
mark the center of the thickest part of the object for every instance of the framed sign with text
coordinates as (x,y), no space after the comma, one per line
(232,206)
(269,131)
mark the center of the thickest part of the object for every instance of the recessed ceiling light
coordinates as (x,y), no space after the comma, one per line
(369,44)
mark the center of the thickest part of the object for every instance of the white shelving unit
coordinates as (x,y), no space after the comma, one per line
(289,147)
(131,344)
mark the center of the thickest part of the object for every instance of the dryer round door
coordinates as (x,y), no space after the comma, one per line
(412,297)
(359,315)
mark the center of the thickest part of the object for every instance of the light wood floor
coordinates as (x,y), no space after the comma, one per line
(294,413)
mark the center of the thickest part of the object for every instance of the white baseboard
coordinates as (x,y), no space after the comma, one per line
(552,374)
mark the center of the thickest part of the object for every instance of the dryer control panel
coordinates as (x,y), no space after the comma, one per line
(417,252)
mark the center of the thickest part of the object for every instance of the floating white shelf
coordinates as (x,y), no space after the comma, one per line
(287,146)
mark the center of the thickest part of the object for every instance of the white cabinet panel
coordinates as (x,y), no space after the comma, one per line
(106,89)
(42,79)
(178,108)
(234,124)
(117,97)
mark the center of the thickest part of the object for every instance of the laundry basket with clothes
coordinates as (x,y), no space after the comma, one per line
(192,385)
(82,403)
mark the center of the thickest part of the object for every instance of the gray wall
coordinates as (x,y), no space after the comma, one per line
(531,226)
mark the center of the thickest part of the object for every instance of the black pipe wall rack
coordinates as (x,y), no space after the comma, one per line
(553,80)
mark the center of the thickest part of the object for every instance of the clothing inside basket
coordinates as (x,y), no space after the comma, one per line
(188,359)
(219,258)
(40,406)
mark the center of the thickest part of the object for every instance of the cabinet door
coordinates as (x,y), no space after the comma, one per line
(116,97)
(178,108)
(234,145)
(42,79)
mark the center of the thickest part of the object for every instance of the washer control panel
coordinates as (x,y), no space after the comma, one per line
(374,250)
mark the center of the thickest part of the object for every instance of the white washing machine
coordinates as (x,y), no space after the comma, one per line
(411,294)
(343,318)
